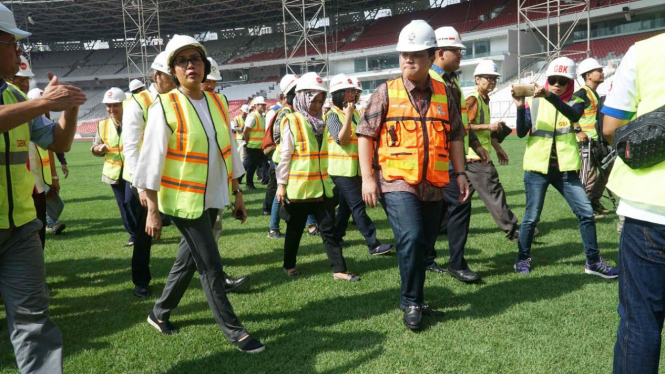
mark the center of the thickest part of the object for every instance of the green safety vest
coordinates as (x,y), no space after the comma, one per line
(465,118)
(45,165)
(308,176)
(588,120)
(644,185)
(16,182)
(482,118)
(278,148)
(113,159)
(240,122)
(342,159)
(185,176)
(257,132)
(548,124)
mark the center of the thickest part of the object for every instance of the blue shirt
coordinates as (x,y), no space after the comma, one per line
(42,127)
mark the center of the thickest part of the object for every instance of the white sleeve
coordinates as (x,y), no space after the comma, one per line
(288,145)
(250,121)
(269,118)
(132,133)
(238,168)
(150,165)
(623,92)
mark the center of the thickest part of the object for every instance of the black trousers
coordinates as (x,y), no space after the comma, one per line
(40,206)
(198,252)
(324,212)
(254,158)
(458,219)
(142,245)
(127,206)
(271,190)
(351,203)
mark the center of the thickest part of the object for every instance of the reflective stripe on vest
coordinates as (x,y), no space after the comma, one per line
(588,120)
(543,132)
(308,177)
(482,118)
(414,148)
(113,159)
(257,132)
(465,117)
(644,185)
(184,180)
(276,156)
(45,163)
(16,182)
(342,159)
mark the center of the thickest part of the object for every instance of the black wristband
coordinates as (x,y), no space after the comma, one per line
(462,173)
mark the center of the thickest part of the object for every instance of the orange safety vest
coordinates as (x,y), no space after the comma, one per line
(412,148)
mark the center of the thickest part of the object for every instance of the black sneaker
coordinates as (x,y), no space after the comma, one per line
(142,292)
(58,228)
(165,327)
(250,345)
(249,188)
(315,232)
(275,234)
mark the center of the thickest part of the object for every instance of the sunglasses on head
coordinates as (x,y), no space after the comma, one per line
(557,79)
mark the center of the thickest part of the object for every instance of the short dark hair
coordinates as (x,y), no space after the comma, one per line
(206,63)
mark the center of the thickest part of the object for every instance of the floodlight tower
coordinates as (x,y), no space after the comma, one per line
(300,19)
(142,37)
(554,35)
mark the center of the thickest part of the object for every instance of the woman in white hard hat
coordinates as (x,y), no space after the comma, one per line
(108,144)
(189,172)
(552,158)
(340,135)
(304,185)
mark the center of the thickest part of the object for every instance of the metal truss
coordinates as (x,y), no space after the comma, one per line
(305,14)
(141,25)
(553,33)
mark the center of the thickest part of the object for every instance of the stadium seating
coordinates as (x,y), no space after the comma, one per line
(612,48)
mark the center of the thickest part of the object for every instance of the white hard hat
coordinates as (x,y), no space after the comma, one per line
(114,95)
(180,42)
(258,100)
(214,71)
(310,81)
(135,84)
(35,93)
(487,67)
(288,82)
(357,85)
(8,24)
(588,65)
(341,82)
(448,37)
(245,108)
(25,68)
(161,64)
(562,66)
(326,104)
(416,36)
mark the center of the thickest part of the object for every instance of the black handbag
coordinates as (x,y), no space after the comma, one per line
(641,142)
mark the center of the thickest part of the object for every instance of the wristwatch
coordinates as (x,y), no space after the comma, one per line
(458,174)
(577,130)
(238,191)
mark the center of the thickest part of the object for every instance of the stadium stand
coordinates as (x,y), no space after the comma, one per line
(609,48)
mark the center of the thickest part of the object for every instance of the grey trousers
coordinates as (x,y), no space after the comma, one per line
(36,338)
(198,252)
(485,180)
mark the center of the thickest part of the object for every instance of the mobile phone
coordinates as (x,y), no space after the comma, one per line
(523,90)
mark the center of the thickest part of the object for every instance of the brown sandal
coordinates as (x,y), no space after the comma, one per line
(292,273)
(349,277)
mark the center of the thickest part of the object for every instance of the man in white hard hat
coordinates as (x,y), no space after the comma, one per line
(456,213)
(134,116)
(211,79)
(22,78)
(238,126)
(410,182)
(255,160)
(592,73)
(485,178)
(36,338)
(136,86)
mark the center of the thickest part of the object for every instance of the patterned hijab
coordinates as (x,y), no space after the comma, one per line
(302,102)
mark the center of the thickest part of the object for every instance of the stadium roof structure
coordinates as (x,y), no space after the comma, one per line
(87,20)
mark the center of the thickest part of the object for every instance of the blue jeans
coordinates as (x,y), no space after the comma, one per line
(351,203)
(641,297)
(568,184)
(415,225)
(274,216)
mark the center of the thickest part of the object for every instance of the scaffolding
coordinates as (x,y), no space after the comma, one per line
(300,18)
(552,32)
(143,40)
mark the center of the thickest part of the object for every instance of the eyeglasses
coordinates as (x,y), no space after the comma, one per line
(562,81)
(14,44)
(489,78)
(183,62)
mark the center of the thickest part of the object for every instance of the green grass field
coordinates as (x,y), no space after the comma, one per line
(556,320)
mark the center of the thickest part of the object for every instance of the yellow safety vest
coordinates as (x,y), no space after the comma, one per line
(482,118)
(465,118)
(588,120)
(644,185)
(257,132)
(308,176)
(16,182)
(144,99)
(278,147)
(185,176)
(45,165)
(549,124)
(113,159)
(240,122)
(342,159)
